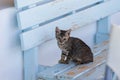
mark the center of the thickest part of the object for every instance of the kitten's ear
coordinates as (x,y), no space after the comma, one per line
(68,31)
(57,30)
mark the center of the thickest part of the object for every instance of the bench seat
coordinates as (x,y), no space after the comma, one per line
(81,72)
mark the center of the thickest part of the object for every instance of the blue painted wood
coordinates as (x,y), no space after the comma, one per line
(95,73)
(103,26)
(100,37)
(42,68)
(115,77)
(50,10)
(30,64)
(50,73)
(108,73)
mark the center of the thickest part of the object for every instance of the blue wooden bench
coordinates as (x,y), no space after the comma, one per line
(36,17)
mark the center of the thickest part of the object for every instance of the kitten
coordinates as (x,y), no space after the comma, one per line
(72,48)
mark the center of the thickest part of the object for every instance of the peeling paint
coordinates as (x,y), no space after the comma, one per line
(71,73)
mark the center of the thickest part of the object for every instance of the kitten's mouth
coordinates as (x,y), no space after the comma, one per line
(61,42)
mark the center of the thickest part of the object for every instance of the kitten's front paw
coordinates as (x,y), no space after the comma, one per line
(66,62)
(63,62)
(78,62)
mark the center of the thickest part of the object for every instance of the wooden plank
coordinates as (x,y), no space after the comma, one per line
(115,77)
(103,25)
(59,69)
(98,48)
(108,73)
(24,3)
(80,72)
(100,37)
(49,73)
(96,73)
(42,67)
(56,8)
(30,64)
(76,20)
(103,29)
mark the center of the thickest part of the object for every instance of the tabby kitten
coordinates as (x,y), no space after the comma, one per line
(72,48)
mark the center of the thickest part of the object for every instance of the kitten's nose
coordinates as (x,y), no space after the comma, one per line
(61,41)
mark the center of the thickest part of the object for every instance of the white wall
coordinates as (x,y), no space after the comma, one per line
(11,67)
(10,54)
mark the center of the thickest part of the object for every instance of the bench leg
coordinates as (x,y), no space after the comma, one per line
(103,27)
(108,74)
(30,64)
(115,77)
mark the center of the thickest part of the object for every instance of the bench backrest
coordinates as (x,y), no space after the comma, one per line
(38,22)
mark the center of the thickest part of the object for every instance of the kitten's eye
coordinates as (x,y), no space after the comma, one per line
(58,38)
(64,39)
